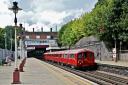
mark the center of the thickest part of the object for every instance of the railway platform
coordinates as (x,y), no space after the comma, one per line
(118,63)
(38,72)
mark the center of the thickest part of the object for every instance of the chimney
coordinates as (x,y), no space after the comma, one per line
(24,28)
(33,29)
(21,26)
(42,29)
(50,29)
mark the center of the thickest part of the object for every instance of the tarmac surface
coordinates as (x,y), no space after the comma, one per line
(38,72)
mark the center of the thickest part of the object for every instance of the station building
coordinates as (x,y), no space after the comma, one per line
(37,42)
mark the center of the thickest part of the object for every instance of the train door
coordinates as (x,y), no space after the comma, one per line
(72,60)
(88,58)
(65,58)
(80,59)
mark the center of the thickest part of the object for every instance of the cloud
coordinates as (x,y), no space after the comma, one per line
(5,17)
(44,13)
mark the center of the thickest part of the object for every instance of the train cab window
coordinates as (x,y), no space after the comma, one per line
(80,56)
(90,54)
(61,55)
(85,54)
(71,55)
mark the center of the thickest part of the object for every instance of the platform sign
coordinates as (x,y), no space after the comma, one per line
(30,48)
(114,50)
(114,55)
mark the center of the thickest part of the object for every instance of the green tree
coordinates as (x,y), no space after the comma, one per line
(2,38)
(108,21)
(10,32)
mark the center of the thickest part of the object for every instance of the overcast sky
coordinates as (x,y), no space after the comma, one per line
(44,13)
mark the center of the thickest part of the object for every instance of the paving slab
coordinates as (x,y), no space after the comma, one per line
(118,63)
(38,72)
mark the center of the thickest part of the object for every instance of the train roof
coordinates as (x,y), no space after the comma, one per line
(73,51)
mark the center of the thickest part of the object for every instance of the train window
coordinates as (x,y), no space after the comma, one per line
(61,55)
(55,55)
(79,55)
(85,54)
(65,55)
(71,55)
(58,55)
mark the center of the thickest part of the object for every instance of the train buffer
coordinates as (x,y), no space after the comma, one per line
(37,72)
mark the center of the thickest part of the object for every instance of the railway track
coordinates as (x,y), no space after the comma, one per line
(96,76)
(113,80)
(113,69)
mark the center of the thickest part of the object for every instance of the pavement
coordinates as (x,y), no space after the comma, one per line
(118,63)
(38,72)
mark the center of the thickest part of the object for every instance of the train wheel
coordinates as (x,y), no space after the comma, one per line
(58,63)
(62,64)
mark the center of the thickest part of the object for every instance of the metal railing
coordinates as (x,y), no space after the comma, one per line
(4,53)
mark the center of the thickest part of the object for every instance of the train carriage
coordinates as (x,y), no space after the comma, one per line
(75,58)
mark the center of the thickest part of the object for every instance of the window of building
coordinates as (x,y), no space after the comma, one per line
(27,37)
(48,37)
(37,37)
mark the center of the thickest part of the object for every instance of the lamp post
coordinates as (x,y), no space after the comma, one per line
(11,44)
(11,40)
(15,9)
(5,44)
(5,40)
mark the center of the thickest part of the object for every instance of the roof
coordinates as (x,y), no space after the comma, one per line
(39,33)
(68,51)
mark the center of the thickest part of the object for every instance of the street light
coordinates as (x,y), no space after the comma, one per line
(15,9)
(11,44)
(20,41)
(5,43)
(11,40)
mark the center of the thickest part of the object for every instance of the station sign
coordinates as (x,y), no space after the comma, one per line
(30,48)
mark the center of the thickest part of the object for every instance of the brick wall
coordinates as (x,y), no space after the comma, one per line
(43,35)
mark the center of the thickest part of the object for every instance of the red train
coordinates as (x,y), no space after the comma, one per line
(76,58)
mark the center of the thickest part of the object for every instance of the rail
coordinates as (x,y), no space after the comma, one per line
(96,76)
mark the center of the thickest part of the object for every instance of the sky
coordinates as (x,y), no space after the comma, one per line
(44,14)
